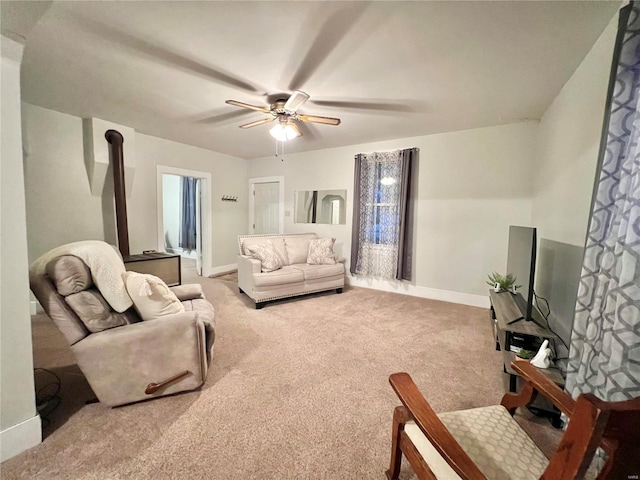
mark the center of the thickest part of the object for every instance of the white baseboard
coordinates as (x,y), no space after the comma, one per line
(232,267)
(33,307)
(418,291)
(20,437)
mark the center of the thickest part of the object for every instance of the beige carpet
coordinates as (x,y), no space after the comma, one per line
(297,390)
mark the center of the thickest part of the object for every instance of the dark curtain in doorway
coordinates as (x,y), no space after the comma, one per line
(188,213)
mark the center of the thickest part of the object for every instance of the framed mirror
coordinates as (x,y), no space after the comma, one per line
(320,206)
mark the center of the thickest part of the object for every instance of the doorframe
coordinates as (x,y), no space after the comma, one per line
(252,183)
(205,213)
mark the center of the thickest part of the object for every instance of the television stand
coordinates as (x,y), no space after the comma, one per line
(507,324)
(510,322)
(514,311)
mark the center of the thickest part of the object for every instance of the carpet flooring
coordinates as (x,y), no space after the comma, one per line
(296,390)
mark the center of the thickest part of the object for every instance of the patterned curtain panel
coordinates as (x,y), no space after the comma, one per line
(605,342)
(381,236)
(188,214)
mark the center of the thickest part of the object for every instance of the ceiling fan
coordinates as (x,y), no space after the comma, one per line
(285,112)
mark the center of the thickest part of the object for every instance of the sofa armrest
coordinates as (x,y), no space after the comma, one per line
(190,291)
(247,267)
(120,363)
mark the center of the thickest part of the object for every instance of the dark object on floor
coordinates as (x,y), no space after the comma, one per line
(47,393)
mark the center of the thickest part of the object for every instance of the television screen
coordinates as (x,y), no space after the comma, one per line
(521,262)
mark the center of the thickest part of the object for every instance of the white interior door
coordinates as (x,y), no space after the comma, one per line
(266,207)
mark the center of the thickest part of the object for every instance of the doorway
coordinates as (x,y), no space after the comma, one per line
(266,205)
(184,201)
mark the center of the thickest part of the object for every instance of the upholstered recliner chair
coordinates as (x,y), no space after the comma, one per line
(85,290)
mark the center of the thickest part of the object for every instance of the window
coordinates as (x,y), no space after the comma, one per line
(380,213)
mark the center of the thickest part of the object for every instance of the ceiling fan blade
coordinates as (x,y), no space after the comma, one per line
(316,119)
(295,101)
(157,53)
(235,103)
(383,106)
(258,122)
(214,117)
(334,29)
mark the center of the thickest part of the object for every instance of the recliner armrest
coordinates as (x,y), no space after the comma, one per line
(120,362)
(189,291)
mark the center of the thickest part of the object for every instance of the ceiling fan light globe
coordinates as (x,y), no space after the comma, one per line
(283,133)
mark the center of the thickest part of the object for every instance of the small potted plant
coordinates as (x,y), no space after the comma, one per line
(503,283)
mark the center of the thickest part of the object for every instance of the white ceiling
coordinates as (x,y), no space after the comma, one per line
(387,69)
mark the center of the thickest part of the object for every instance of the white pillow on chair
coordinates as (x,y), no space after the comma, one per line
(151,297)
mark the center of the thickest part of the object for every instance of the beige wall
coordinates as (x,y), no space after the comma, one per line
(19,421)
(228,175)
(471,186)
(568,145)
(569,139)
(61,208)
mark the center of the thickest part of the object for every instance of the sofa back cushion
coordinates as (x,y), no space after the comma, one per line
(95,312)
(71,278)
(283,245)
(298,247)
(266,253)
(69,274)
(248,246)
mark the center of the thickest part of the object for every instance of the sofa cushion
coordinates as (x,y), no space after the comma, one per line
(151,297)
(69,274)
(283,276)
(277,240)
(321,252)
(312,272)
(281,250)
(94,311)
(267,255)
(297,248)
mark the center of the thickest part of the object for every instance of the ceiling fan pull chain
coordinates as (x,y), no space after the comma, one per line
(278,142)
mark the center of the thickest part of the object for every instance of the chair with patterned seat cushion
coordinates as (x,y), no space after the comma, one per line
(487,443)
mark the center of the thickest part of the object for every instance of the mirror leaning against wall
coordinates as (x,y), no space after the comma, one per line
(320,206)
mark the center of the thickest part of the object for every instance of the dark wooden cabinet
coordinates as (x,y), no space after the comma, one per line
(165,266)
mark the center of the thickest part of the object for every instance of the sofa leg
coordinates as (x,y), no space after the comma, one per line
(338,290)
(240,290)
(259,305)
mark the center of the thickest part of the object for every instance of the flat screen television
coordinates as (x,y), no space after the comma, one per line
(521,262)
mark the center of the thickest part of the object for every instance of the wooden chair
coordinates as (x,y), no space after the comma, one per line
(487,443)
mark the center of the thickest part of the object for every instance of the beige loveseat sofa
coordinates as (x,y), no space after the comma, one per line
(296,277)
